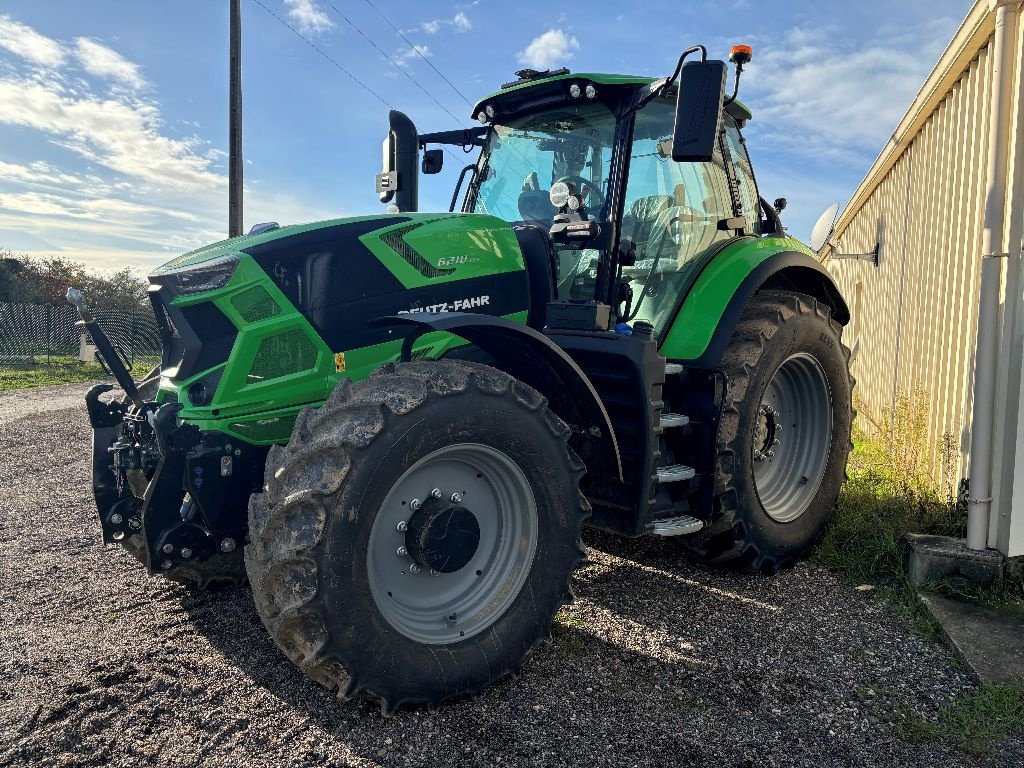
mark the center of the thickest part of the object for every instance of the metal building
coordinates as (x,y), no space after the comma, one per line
(944,204)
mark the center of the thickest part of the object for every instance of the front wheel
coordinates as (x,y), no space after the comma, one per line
(784,437)
(417,535)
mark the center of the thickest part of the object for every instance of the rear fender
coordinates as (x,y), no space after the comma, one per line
(712,309)
(531,357)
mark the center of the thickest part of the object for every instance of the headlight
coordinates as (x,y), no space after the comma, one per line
(574,90)
(207,276)
(559,194)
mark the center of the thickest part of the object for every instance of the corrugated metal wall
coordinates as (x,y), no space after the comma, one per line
(915,315)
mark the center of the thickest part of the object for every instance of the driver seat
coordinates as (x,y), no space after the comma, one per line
(644,213)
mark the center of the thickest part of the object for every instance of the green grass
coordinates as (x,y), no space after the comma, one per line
(973,722)
(59,370)
(877,507)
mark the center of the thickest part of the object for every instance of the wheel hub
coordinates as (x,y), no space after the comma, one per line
(442,536)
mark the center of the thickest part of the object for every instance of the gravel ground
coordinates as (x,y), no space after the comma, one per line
(658,662)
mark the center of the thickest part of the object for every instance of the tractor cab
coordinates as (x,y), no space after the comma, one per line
(618,186)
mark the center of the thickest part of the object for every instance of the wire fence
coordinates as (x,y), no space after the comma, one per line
(47,334)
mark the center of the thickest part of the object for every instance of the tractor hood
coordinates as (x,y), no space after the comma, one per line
(274,317)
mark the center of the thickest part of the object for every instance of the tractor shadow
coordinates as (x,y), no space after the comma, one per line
(624,651)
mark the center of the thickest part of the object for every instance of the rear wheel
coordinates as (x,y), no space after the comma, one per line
(784,437)
(432,510)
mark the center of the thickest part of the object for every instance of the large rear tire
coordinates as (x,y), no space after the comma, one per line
(374,583)
(784,437)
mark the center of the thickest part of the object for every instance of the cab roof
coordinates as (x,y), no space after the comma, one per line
(541,81)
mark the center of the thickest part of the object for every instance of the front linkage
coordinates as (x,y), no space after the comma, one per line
(173,495)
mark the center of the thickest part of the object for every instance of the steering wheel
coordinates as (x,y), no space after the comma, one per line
(596,198)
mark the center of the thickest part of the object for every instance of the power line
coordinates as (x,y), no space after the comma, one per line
(387,56)
(319,50)
(415,49)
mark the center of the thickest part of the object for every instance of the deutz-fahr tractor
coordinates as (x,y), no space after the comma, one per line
(395,425)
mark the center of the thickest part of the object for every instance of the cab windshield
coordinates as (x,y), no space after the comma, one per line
(525,156)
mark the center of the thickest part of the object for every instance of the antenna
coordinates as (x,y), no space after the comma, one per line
(235,122)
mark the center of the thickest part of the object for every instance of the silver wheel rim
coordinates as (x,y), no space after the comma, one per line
(792,437)
(432,607)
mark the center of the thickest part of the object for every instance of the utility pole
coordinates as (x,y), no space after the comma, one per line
(235,123)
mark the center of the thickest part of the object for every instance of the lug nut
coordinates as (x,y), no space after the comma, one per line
(414,568)
(436,493)
(770,454)
(456,497)
(134,523)
(228,545)
(116,518)
(166,565)
(167,549)
(777,441)
(402,526)
(186,553)
(414,504)
(401,552)
(118,535)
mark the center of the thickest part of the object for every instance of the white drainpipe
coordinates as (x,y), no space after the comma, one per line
(992,255)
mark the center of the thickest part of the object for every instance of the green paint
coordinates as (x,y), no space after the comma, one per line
(704,305)
(468,244)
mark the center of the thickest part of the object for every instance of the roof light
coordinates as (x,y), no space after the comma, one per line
(741,54)
(591,91)
(574,90)
(481,116)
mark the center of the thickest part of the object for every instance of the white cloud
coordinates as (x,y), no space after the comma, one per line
(101,61)
(408,54)
(459,23)
(812,92)
(121,134)
(37,173)
(308,16)
(23,41)
(549,50)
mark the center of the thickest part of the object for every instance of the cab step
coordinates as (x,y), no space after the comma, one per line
(674,420)
(675,473)
(676,526)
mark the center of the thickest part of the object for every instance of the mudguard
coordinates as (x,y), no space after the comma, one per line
(531,357)
(716,300)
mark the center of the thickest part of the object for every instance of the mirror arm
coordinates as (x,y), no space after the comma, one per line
(660,87)
(871,255)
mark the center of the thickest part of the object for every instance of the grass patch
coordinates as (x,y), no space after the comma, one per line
(887,495)
(59,370)
(973,722)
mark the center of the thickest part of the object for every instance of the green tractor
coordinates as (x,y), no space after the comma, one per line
(395,425)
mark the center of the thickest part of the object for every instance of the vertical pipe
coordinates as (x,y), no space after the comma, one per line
(985,360)
(235,122)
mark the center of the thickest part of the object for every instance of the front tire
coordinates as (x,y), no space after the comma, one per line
(413,603)
(784,437)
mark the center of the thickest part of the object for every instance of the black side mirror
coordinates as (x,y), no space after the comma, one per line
(399,180)
(780,204)
(433,161)
(698,111)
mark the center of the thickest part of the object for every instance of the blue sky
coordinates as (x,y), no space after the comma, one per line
(113,121)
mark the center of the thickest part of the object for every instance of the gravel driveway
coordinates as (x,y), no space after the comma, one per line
(658,662)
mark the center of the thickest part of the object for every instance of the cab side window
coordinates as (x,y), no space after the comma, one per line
(744,175)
